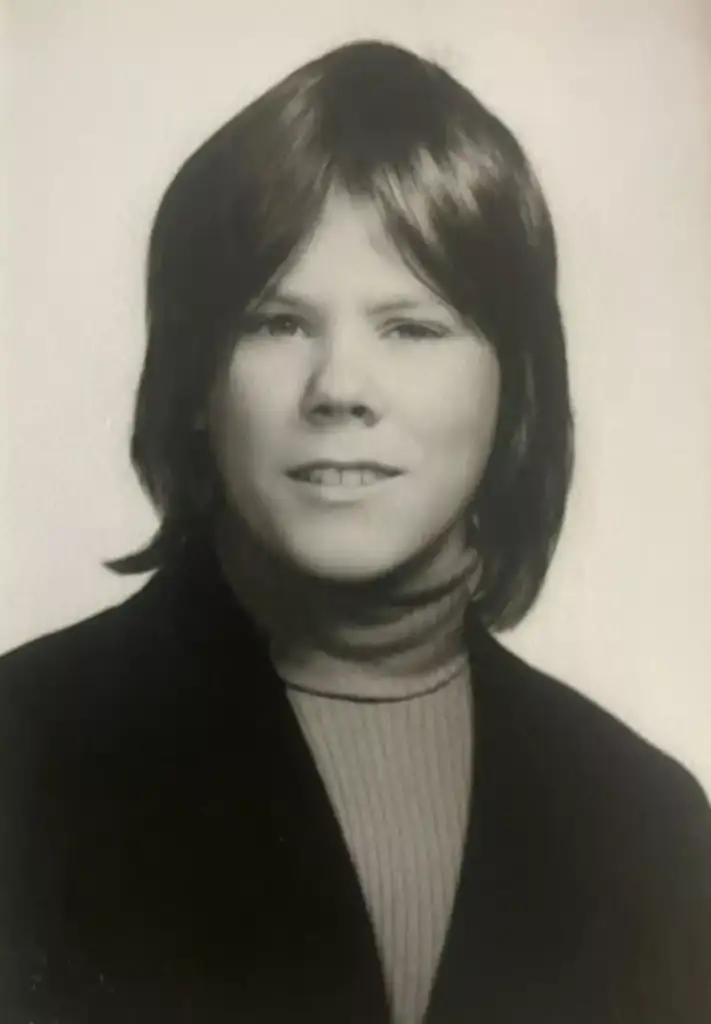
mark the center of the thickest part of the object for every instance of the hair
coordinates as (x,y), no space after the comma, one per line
(455,193)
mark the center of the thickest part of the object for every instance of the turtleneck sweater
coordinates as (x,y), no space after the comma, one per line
(378,678)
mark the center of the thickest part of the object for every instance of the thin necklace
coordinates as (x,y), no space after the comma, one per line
(359,698)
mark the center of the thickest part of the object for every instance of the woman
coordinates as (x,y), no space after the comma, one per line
(295,778)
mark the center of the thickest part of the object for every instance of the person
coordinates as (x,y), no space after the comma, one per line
(295,777)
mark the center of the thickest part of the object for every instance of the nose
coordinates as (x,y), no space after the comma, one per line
(340,385)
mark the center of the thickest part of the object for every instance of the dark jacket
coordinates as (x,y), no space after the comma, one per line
(169,852)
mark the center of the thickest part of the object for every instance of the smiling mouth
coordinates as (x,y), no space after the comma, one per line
(346,476)
(342,478)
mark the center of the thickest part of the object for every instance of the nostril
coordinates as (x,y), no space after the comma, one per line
(336,410)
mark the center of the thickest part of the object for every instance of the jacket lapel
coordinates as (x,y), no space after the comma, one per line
(314,941)
(516,946)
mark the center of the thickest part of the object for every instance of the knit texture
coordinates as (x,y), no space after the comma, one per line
(399,776)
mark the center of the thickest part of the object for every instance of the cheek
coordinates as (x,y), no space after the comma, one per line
(250,413)
(458,412)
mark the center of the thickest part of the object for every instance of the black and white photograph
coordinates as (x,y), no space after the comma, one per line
(355,561)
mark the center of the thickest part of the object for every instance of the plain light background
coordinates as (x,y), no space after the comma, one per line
(611,100)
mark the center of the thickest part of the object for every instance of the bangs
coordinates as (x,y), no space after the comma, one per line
(453,190)
(448,181)
(450,184)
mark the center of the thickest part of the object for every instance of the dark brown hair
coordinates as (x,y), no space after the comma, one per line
(457,196)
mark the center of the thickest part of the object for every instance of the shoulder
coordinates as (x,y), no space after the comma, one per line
(75,688)
(85,648)
(615,826)
(57,650)
(591,760)
(137,673)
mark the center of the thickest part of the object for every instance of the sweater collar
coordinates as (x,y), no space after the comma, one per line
(392,638)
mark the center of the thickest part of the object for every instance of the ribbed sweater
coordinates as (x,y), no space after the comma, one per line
(379,680)
(398,775)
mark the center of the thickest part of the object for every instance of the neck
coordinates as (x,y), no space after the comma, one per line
(398,635)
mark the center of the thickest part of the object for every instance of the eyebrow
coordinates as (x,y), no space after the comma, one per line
(390,305)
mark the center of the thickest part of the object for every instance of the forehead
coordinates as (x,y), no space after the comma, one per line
(350,252)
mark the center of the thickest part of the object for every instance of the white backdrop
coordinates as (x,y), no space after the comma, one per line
(610,99)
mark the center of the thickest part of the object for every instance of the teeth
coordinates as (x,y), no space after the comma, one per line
(346,478)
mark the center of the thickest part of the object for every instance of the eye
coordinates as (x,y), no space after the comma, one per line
(417,330)
(274,325)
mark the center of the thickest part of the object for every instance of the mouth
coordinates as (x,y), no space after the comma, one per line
(342,476)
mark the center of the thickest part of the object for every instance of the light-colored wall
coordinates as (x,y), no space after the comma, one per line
(611,99)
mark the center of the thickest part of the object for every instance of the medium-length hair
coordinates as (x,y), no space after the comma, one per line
(458,197)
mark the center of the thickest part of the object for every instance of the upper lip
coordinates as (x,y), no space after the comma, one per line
(360,465)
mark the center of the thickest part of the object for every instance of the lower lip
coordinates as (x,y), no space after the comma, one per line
(342,494)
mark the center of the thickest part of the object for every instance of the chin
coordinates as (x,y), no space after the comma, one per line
(347,565)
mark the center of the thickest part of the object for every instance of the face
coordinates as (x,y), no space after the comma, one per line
(358,410)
